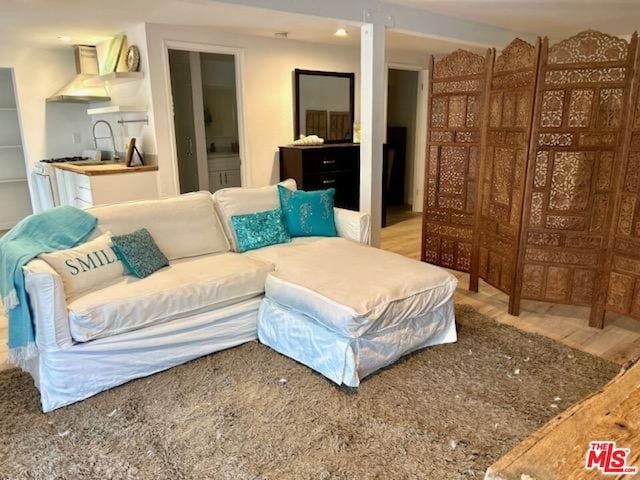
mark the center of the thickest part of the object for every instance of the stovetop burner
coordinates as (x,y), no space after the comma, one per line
(64,159)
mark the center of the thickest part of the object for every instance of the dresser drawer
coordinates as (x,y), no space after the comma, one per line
(329,161)
(346,184)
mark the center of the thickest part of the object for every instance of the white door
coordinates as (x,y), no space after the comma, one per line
(183,120)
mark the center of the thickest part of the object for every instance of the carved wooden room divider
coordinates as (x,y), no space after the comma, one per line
(510,107)
(559,159)
(621,292)
(457,91)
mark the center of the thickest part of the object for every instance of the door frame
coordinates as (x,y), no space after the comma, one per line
(420,141)
(238,54)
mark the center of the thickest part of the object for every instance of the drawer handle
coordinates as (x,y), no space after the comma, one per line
(328,162)
(328,182)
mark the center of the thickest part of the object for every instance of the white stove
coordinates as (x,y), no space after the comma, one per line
(44,180)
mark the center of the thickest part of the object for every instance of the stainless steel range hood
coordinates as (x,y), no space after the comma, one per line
(86,86)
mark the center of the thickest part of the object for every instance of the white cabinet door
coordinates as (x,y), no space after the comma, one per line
(216,180)
(66,186)
(232,178)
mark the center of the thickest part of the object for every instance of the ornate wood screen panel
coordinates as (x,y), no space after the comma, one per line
(510,107)
(577,131)
(623,262)
(457,90)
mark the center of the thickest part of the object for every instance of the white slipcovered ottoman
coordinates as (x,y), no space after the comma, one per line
(346,309)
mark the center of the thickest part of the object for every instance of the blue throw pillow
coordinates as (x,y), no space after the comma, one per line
(261,229)
(139,253)
(308,214)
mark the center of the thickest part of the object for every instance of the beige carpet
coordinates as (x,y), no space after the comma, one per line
(443,413)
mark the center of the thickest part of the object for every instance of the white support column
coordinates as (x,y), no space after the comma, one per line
(372,120)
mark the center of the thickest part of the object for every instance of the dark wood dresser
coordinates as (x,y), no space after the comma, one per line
(320,167)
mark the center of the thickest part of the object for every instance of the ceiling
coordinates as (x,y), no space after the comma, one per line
(41,22)
(554,18)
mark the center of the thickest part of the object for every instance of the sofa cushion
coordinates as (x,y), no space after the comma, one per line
(186,287)
(182,226)
(350,288)
(240,201)
(139,253)
(88,266)
(308,214)
(260,229)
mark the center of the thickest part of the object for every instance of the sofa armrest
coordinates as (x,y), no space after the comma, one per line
(48,305)
(353,225)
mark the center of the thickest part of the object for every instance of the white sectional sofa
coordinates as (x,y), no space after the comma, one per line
(212,298)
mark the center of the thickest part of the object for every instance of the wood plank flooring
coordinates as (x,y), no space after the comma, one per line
(619,341)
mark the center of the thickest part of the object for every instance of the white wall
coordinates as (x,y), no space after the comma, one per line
(268,92)
(47,128)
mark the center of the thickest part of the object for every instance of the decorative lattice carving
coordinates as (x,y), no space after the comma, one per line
(552,107)
(555,139)
(542,166)
(460,63)
(585,75)
(580,107)
(457,111)
(610,107)
(571,180)
(589,47)
(517,55)
(457,86)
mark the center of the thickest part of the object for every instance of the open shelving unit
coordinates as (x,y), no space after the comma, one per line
(14,189)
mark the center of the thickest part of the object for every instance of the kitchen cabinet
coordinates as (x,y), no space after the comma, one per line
(224,170)
(85,187)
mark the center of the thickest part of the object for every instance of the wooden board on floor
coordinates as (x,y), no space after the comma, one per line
(558,450)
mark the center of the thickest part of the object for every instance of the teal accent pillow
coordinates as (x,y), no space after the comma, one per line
(261,229)
(308,214)
(139,253)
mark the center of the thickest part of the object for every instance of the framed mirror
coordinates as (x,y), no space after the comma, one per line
(324,105)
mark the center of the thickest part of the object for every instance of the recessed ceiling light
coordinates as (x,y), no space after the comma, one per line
(64,38)
(341,32)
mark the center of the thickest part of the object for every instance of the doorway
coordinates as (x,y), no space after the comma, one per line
(205,97)
(400,150)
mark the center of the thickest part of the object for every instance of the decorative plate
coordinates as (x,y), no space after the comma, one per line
(133,59)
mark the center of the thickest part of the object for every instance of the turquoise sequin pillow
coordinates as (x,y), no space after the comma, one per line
(308,214)
(261,229)
(139,253)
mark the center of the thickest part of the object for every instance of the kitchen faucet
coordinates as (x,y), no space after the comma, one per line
(111,137)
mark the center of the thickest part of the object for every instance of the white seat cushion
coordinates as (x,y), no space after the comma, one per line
(182,226)
(186,287)
(353,289)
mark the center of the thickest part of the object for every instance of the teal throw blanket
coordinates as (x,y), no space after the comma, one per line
(56,229)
